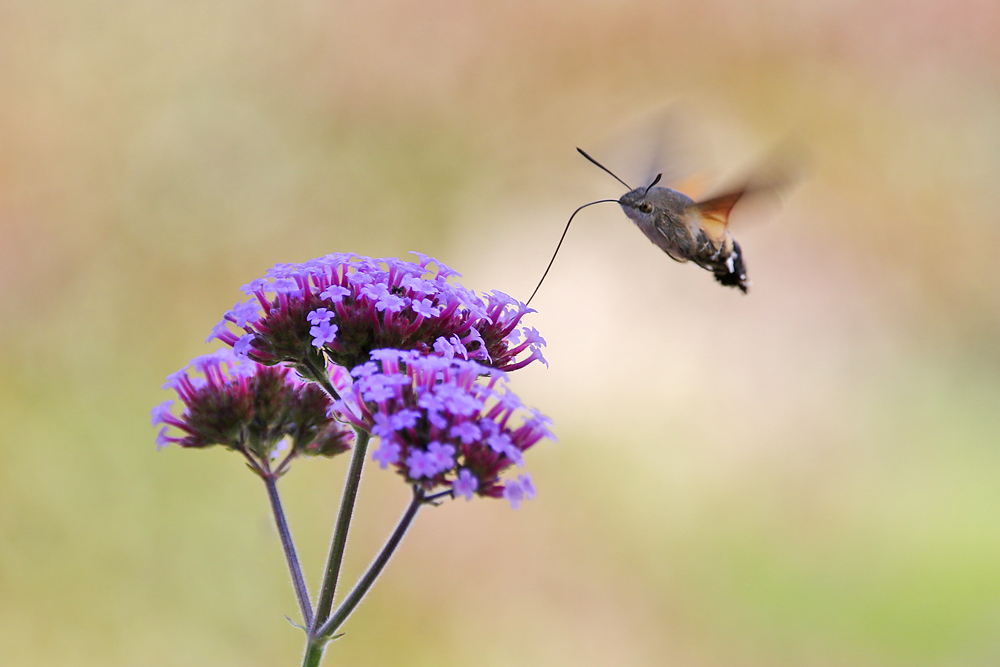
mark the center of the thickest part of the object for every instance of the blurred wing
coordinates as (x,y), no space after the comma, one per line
(768,181)
(694,186)
(664,139)
(712,214)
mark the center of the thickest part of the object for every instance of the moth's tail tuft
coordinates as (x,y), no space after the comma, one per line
(732,272)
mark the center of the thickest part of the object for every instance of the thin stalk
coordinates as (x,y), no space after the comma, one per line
(329,586)
(431,500)
(317,374)
(294,568)
(360,589)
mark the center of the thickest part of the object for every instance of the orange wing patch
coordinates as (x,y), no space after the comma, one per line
(713,214)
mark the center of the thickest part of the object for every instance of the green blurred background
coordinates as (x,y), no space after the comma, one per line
(809,475)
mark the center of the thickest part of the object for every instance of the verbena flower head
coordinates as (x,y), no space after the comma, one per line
(248,407)
(345,306)
(441,427)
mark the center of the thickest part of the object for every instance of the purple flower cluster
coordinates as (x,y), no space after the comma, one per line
(429,362)
(345,306)
(440,427)
(248,407)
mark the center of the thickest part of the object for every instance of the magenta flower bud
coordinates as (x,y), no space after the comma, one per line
(248,407)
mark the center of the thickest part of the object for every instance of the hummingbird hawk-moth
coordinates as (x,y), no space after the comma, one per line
(685,229)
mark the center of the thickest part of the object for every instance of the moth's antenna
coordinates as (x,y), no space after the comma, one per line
(604,168)
(655,181)
(559,245)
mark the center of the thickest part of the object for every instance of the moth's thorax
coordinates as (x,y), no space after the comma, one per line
(644,204)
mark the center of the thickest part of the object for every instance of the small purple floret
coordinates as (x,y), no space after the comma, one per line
(527,486)
(420,464)
(246,313)
(242,346)
(160,413)
(425,308)
(319,315)
(219,331)
(387,454)
(405,419)
(323,333)
(519,490)
(335,293)
(390,303)
(465,485)
(162,440)
(467,432)
(442,457)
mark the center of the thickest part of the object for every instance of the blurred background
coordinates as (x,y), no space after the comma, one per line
(807,475)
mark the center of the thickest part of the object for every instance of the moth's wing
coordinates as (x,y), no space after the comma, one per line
(664,139)
(769,180)
(712,215)
(694,186)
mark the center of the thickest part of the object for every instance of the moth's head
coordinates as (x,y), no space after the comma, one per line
(637,205)
(637,201)
(642,204)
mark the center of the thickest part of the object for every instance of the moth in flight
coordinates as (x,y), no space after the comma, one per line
(685,229)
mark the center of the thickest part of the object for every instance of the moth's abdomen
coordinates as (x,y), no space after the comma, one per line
(731,271)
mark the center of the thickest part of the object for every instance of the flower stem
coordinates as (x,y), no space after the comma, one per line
(294,568)
(360,589)
(314,372)
(314,653)
(329,586)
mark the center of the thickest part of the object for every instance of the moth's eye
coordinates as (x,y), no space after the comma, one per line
(646,207)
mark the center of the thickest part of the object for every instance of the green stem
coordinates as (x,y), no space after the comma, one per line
(360,589)
(329,586)
(314,652)
(294,568)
